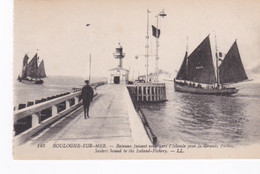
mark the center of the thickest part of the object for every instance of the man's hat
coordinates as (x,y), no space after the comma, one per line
(86,81)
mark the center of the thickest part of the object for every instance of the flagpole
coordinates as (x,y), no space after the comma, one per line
(157,54)
(147,46)
(161,14)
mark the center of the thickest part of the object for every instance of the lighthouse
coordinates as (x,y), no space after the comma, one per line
(119,55)
(118,75)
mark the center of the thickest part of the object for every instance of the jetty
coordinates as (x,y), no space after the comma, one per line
(113,119)
(114,114)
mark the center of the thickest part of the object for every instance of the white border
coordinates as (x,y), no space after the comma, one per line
(8,165)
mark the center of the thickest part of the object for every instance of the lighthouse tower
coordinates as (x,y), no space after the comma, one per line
(118,75)
(119,55)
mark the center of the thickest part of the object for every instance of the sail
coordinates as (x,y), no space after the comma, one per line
(25,61)
(31,70)
(231,69)
(41,70)
(200,64)
(182,74)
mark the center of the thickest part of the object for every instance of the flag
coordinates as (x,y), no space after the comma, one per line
(156,32)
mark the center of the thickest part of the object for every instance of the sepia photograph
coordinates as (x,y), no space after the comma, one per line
(147,79)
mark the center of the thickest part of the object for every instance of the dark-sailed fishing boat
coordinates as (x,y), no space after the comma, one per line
(31,72)
(197,73)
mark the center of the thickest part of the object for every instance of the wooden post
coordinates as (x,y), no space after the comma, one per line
(137,92)
(160,87)
(149,92)
(157,93)
(147,95)
(154,93)
(142,92)
(35,119)
(54,110)
(162,92)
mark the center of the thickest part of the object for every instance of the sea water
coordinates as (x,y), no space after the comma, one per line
(184,118)
(53,85)
(199,119)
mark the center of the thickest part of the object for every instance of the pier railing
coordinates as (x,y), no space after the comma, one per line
(148,92)
(47,112)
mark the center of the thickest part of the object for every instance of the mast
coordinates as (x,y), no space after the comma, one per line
(186,57)
(217,59)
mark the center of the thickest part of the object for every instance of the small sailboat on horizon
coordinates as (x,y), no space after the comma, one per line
(31,72)
(197,73)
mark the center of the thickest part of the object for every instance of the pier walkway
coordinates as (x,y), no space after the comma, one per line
(112,120)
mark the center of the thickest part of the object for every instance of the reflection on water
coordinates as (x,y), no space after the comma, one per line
(192,118)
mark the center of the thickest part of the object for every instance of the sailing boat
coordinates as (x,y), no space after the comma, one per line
(198,69)
(31,72)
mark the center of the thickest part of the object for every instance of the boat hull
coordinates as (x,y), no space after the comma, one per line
(206,91)
(36,82)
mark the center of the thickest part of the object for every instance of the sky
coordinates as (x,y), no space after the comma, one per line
(57,30)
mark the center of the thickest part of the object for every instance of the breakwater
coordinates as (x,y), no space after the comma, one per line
(113,119)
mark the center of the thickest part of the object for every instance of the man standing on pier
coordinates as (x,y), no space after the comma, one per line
(87,96)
